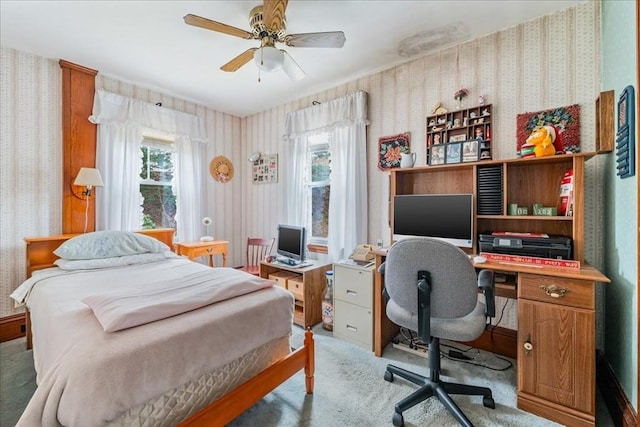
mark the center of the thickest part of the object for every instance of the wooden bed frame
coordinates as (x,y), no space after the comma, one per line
(220,412)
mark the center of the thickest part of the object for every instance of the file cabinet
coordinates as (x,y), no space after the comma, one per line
(353,304)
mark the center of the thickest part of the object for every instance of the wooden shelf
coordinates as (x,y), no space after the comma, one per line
(527,217)
(470,124)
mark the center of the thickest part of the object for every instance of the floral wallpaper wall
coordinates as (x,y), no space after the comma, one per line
(30,161)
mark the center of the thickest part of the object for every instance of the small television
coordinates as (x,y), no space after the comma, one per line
(291,244)
(447,217)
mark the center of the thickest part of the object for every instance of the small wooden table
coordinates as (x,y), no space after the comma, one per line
(200,249)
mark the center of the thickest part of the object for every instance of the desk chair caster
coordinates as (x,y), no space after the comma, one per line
(398,419)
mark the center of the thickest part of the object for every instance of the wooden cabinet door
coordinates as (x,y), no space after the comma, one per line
(560,365)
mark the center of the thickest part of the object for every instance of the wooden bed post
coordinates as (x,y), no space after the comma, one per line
(310,364)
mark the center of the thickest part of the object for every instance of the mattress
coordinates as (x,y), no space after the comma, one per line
(89,377)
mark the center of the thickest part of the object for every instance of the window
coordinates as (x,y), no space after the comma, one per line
(319,188)
(156,186)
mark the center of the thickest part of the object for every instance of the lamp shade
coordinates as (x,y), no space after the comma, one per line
(268,58)
(89,177)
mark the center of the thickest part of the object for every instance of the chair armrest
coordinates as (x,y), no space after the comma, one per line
(424,305)
(487,284)
(385,294)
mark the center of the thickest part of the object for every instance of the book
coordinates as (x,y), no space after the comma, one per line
(531,261)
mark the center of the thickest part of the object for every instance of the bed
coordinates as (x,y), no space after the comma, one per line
(204,366)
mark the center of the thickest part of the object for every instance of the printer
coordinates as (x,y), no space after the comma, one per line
(526,244)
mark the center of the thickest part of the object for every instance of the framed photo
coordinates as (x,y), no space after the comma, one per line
(437,154)
(453,154)
(265,169)
(470,151)
(457,138)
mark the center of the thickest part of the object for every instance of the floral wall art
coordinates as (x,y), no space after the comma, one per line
(389,150)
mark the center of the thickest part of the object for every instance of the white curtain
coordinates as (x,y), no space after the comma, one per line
(346,120)
(121,124)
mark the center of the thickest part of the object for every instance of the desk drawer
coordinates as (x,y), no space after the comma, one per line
(296,287)
(203,251)
(353,286)
(354,324)
(557,290)
(281,277)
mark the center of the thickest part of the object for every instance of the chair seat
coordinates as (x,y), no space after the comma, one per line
(251,269)
(466,328)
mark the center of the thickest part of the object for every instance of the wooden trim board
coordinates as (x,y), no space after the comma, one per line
(619,406)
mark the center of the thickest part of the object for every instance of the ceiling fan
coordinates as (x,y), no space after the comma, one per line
(268,24)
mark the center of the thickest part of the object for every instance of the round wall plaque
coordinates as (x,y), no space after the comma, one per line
(221,169)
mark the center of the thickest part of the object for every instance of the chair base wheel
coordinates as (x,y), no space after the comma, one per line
(398,419)
(488,402)
(388,376)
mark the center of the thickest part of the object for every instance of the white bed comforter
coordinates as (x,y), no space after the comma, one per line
(87,376)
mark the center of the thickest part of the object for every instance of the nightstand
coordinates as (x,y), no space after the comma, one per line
(199,249)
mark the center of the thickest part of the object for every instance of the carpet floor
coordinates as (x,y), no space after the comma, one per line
(349,389)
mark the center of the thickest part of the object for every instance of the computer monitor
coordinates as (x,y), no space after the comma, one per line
(448,217)
(291,243)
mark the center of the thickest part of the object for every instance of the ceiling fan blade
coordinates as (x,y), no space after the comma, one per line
(273,13)
(291,67)
(208,24)
(328,39)
(239,60)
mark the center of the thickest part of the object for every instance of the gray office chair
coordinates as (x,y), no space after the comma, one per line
(432,288)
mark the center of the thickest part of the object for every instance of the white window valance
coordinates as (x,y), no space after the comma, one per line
(348,110)
(111,107)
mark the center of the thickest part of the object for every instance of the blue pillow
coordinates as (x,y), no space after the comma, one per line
(108,244)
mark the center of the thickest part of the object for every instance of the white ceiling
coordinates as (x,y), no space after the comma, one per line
(147,42)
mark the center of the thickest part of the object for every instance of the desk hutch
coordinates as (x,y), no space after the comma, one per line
(556,307)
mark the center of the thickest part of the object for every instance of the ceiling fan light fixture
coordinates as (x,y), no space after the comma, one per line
(268,58)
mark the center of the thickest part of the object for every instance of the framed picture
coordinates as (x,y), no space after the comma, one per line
(389,150)
(470,151)
(565,119)
(265,169)
(437,154)
(453,153)
(457,138)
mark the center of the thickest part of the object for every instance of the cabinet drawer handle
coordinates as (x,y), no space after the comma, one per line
(354,293)
(554,291)
(352,328)
(528,346)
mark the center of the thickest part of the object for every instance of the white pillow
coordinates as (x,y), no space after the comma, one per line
(108,244)
(91,264)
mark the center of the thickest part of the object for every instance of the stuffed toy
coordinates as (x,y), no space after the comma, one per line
(543,141)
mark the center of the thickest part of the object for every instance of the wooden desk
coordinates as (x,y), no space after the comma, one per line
(199,249)
(307,285)
(556,342)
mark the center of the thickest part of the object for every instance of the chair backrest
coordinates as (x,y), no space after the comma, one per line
(454,286)
(258,249)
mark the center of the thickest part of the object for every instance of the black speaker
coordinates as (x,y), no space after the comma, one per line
(490,191)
